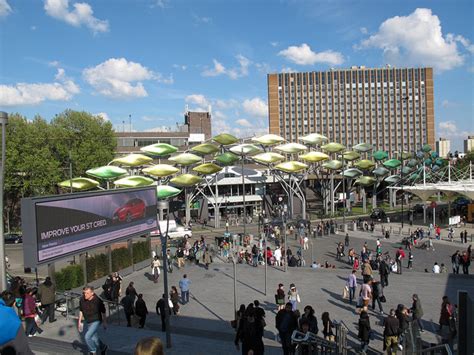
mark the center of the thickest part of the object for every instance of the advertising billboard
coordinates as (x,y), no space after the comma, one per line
(62,225)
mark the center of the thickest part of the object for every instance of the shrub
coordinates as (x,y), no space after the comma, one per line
(141,251)
(97,267)
(70,277)
(121,259)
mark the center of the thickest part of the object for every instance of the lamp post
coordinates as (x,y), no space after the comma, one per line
(243,194)
(3,271)
(285,208)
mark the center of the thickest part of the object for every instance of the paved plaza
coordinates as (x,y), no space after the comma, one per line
(203,326)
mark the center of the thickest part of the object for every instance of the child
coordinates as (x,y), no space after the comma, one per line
(410,260)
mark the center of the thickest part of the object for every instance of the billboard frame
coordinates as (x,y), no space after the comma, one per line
(30,231)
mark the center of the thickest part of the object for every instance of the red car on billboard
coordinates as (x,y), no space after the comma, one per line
(133,209)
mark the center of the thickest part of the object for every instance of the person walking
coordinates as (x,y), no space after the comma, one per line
(180,257)
(466,261)
(207,258)
(390,333)
(365,294)
(293,297)
(364,332)
(184,287)
(367,270)
(377,296)
(328,325)
(417,311)
(286,322)
(410,260)
(174,297)
(47,297)
(280,297)
(346,240)
(141,310)
(92,311)
(352,284)
(277,256)
(29,312)
(155,269)
(456,261)
(250,334)
(127,304)
(398,257)
(403,323)
(161,309)
(130,290)
(169,260)
(309,317)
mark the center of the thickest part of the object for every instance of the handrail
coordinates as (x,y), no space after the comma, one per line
(440,346)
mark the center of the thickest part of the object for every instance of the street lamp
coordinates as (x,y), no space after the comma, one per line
(3,271)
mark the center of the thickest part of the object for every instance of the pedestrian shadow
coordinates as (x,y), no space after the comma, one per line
(343,306)
(148,276)
(269,306)
(242,283)
(207,308)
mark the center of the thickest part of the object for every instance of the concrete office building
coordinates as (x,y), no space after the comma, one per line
(443,147)
(469,144)
(390,108)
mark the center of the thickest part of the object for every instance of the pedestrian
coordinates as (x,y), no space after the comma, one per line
(169,260)
(286,322)
(207,258)
(155,269)
(259,312)
(403,323)
(141,310)
(161,309)
(328,325)
(92,311)
(390,333)
(47,297)
(250,334)
(308,317)
(355,265)
(456,261)
(417,311)
(465,235)
(30,314)
(180,257)
(436,268)
(130,290)
(367,270)
(127,304)
(346,240)
(277,256)
(149,346)
(377,296)
(184,287)
(174,297)
(364,332)
(116,287)
(365,295)
(352,285)
(410,260)
(398,257)
(293,297)
(466,261)
(280,297)
(255,255)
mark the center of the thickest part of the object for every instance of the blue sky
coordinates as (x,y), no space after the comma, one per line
(150,58)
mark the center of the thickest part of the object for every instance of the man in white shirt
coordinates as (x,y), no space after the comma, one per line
(436,268)
(277,256)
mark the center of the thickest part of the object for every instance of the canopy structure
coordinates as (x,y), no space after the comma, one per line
(424,191)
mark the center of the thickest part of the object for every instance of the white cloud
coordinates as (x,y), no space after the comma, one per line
(5,8)
(416,39)
(119,78)
(22,94)
(363,30)
(33,28)
(202,19)
(274,44)
(233,73)
(464,41)
(303,55)
(288,70)
(103,115)
(225,104)
(243,122)
(82,14)
(450,130)
(161,3)
(449,104)
(180,66)
(255,107)
(197,99)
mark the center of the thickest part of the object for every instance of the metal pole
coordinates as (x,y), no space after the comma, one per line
(266,259)
(243,194)
(164,242)
(286,246)
(403,195)
(3,266)
(70,169)
(235,279)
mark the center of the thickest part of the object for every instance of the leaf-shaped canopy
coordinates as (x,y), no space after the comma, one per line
(314,138)
(291,148)
(428,162)
(380,155)
(392,163)
(439,161)
(268,139)
(426,148)
(132,160)
(351,155)
(291,166)
(332,165)
(406,155)
(392,179)
(365,164)
(333,147)
(406,170)
(245,149)
(268,158)
(380,171)
(225,139)
(352,173)
(207,169)
(205,148)
(434,155)
(435,168)
(185,159)
(186,180)
(366,181)
(363,147)
(159,149)
(414,176)
(226,158)
(165,191)
(79,184)
(412,163)
(107,172)
(134,181)
(160,170)
(420,154)
(314,157)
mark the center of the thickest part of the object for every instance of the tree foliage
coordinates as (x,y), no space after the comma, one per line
(38,154)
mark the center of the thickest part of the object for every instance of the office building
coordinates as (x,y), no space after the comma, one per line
(443,147)
(195,130)
(469,144)
(390,108)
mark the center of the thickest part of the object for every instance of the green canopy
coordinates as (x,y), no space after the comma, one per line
(291,148)
(205,149)
(352,173)
(332,165)
(186,180)
(79,184)
(314,138)
(291,166)
(363,147)
(207,169)
(426,148)
(392,163)
(268,158)
(107,172)
(365,164)
(134,181)
(165,191)
(380,155)
(226,158)
(314,157)
(245,149)
(159,149)
(268,139)
(160,170)
(225,139)
(333,147)
(351,155)
(185,159)
(366,181)
(392,179)
(380,171)
(132,160)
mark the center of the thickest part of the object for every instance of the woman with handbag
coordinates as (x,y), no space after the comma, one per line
(155,269)
(30,314)
(377,295)
(293,297)
(327,327)
(364,332)
(280,297)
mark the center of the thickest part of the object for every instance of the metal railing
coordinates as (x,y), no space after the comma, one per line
(311,344)
(444,348)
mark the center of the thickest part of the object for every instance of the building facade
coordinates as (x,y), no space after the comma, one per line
(469,144)
(391,108)
(443,147)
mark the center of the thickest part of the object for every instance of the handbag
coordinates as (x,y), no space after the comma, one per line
(298,299)
(345,292)
(382,299)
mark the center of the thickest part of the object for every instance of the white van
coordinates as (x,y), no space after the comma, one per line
(174,231)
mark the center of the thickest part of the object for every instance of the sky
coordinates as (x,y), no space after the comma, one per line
(145,60)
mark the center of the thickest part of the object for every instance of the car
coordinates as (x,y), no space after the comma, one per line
(133,209)
(378,214)
(13,238)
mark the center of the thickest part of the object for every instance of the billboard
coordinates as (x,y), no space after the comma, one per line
(63,225)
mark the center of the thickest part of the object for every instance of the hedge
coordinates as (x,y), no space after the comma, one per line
(141,251)
(97,267)
(121,259)
(70,277)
